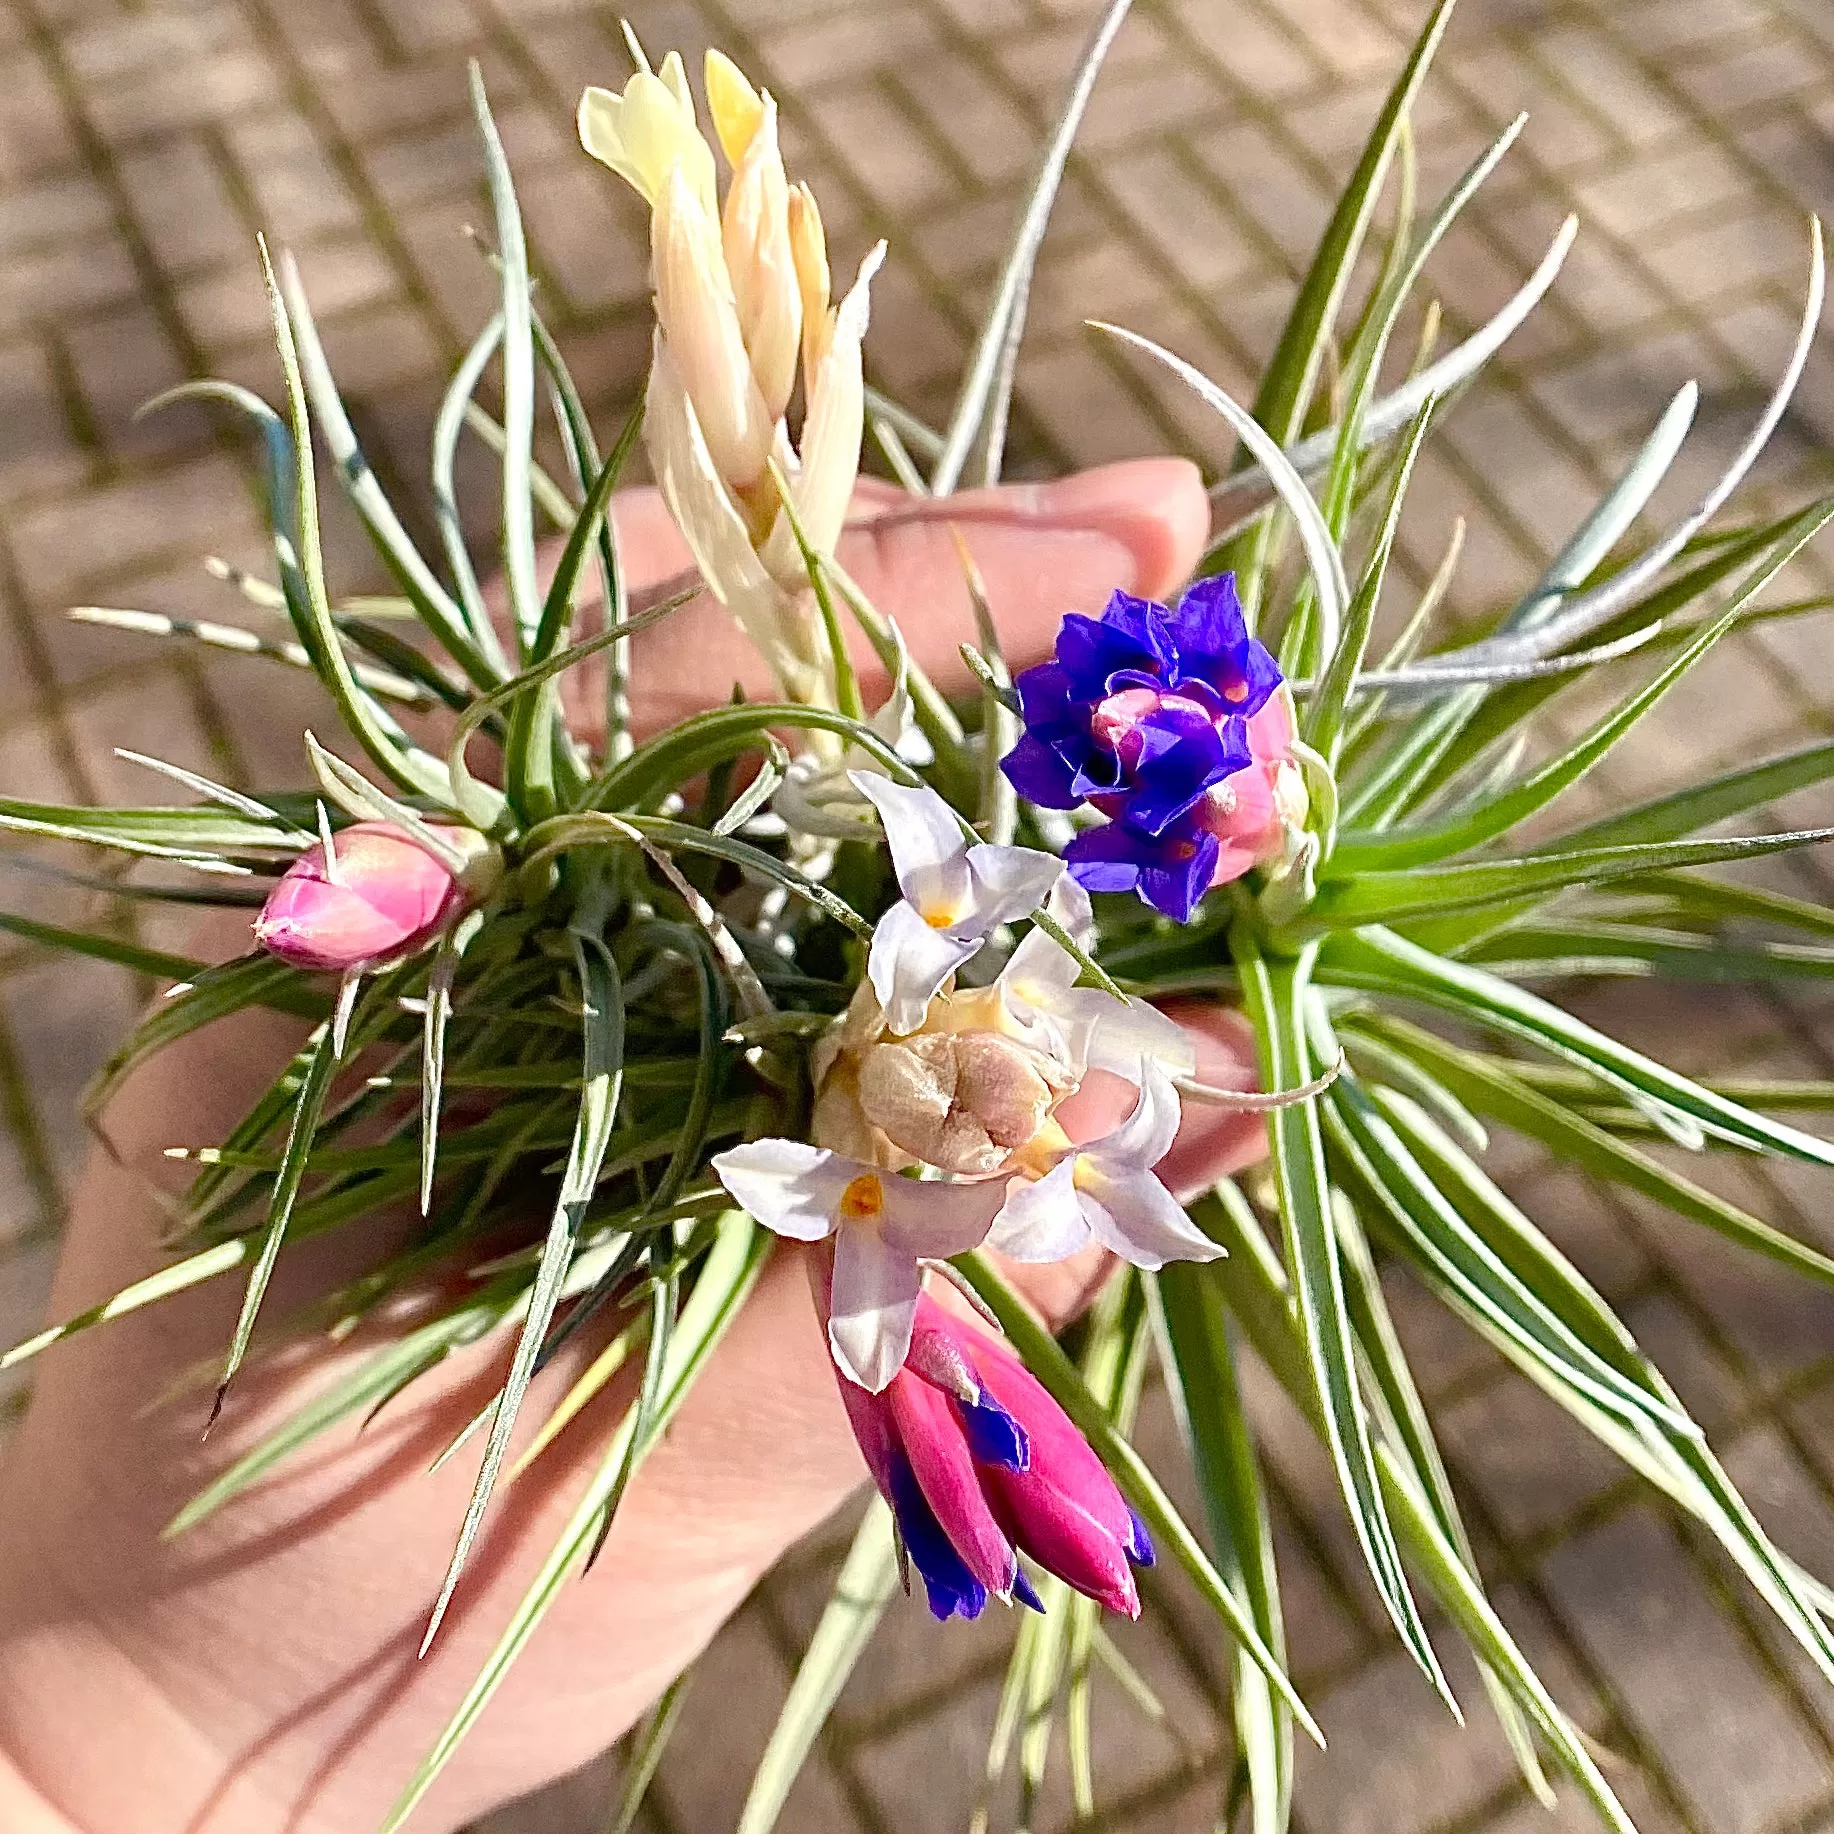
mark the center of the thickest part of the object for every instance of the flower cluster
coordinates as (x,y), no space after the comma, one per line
(1173,723)
(959,1089)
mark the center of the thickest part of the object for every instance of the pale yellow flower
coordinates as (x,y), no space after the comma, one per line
(742,293)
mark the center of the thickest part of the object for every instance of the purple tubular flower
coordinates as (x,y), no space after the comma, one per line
(979,1464)
(1141,714)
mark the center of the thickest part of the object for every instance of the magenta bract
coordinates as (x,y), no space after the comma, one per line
(392,898)
(979,1465)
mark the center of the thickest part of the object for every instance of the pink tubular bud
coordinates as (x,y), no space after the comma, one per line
(1250,811)
(386,897)
(978,1461)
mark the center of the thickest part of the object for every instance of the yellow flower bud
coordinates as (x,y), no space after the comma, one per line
(756,236)
(648,132)
(737,108)
(809,247)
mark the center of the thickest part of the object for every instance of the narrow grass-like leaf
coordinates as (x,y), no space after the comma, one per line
(302,571)
(1702,805)
(1321,552)
(306,1111)
(1390,897)
(186,834)
(977,421)
(566,832)
(1456,1587)
(1592,610)
(447,427)
(208,994)
(159,963)
(440,979)
(702,740)
(1199,1362)
(866,1583)
(379,1376)
(1170,1533)
(1407,1437)
(648,1749)
(1467,1266)
(1517,1103)
(1326,713)
(1258,1296)
(1382,961)
(518,377)
(384,684)
(1246,494)
(845,681)
(179,1277)
(1275,992)
(1591,543)
(603,1051)
(1292,372)
(435,606)
(1495,816)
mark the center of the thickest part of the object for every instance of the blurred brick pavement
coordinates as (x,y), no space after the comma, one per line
(143,142)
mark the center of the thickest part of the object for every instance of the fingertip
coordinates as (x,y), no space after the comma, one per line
(1154,509)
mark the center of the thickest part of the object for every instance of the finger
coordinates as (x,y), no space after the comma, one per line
(1042,550)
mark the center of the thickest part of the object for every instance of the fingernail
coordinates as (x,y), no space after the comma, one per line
(1153,508)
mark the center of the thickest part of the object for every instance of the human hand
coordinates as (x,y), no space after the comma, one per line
(260,1673)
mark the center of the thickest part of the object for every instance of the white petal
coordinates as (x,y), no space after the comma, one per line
(939,1220)
(1040,971)
(830,443)
(1009,882)
(790,1188)
(698,316)
(698,500)
(908,962)
(1124,1033)
(1146,1136)
(873,1308)
(1042,1221)
(1069,905)
(928,851)
(1135,1216)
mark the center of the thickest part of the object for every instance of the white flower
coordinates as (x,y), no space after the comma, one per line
(883,1226)
(955,896)
(1097,1030)
(1106,1192)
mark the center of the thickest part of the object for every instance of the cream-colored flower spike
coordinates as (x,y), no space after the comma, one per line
(742,303)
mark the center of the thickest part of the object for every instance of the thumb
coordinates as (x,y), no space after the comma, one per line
(1042,550)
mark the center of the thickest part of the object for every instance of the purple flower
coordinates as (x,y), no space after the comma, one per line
(1141,714)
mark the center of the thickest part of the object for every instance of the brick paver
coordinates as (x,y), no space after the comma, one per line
(142,144)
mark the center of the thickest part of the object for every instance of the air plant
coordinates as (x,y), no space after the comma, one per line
(686,1030)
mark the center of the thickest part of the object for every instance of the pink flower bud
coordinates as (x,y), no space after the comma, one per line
(1250,811)
(388,898)
(980,1464)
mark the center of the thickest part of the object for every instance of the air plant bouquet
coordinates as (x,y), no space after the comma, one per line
(620,1012)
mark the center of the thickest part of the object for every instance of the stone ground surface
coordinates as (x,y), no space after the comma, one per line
(142,143)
